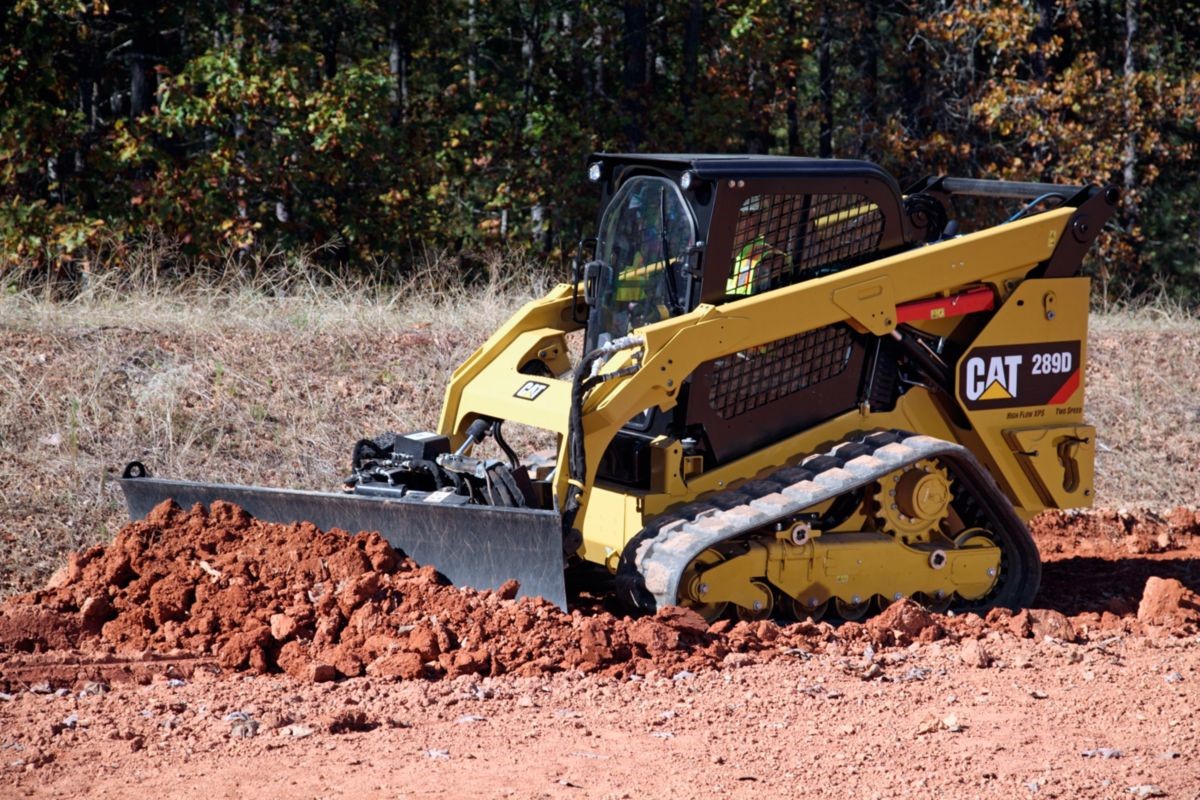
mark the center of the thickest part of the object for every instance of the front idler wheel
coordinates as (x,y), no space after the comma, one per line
(693,586)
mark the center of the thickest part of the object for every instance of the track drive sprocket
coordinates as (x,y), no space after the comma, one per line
(912,503)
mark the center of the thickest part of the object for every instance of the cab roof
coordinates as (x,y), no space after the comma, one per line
(732,165)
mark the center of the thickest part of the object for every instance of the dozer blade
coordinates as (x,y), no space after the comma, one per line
(472,545)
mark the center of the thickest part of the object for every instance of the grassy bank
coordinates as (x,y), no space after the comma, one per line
(243,385)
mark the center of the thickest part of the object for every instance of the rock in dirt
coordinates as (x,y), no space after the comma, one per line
(1045,622)
(241,725)
(1102,752)
(296,731)
(350,721)
(684,620)
(406,666)
(283,627)
(28,628)
(950,724)
(319,673)
(1040,623)
(903,623)
(1166,601)
(974,654)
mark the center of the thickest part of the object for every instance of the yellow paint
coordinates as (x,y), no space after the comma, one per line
(844,216)
(851,567)
(995,391)
(1024,318)
(1059,460)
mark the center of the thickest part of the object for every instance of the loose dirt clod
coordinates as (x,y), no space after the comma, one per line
(974,654)
(1166,601)
(903,623)
(351,722)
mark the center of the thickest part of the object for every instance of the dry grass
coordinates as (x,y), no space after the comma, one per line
(266,382)
(246,382)
(1143,396)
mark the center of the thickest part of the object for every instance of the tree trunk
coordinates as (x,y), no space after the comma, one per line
(530,34)
(654,47)
(597,82)
(1042,33)
(1107,13)
(578,80)
(1129,161)
(868,73)
(760,97)
(691,68)
(86,58)
(539,228)
(635,72)
(472,47)
(141,78)
(329,48)
(398,56)
(915,86)
(793,118)
(825,83)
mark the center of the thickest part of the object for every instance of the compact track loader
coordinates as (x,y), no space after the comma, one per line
(798,388)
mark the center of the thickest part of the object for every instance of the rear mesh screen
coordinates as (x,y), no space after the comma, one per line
(752,378)
(783,238)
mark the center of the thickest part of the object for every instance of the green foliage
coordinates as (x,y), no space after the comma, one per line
(374,131)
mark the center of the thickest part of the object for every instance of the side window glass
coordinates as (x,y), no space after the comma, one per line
(645,235)
(781,239)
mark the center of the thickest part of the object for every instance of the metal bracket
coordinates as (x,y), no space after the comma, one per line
(872,304)
(135,469)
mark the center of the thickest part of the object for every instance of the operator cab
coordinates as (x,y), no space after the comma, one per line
(676,231)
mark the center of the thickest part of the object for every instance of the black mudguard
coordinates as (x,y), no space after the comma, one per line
(472,545)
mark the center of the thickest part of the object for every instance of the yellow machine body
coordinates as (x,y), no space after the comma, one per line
(1019,446)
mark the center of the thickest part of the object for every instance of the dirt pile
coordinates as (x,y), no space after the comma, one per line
(219,587)
(324,604)
(1137,533)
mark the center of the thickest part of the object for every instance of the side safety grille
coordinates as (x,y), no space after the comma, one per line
(752,378)
(783,238)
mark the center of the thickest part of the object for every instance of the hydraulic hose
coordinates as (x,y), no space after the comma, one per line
(509,453)
(583,381)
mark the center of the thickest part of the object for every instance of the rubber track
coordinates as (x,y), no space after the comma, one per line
(655,560)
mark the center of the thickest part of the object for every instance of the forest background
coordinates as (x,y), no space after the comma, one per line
(367,135)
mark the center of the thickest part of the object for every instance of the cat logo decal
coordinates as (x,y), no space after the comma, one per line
(531,390)
(1023,375)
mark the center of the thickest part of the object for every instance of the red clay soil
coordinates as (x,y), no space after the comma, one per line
(471,694)
(261,597)
(219,589)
